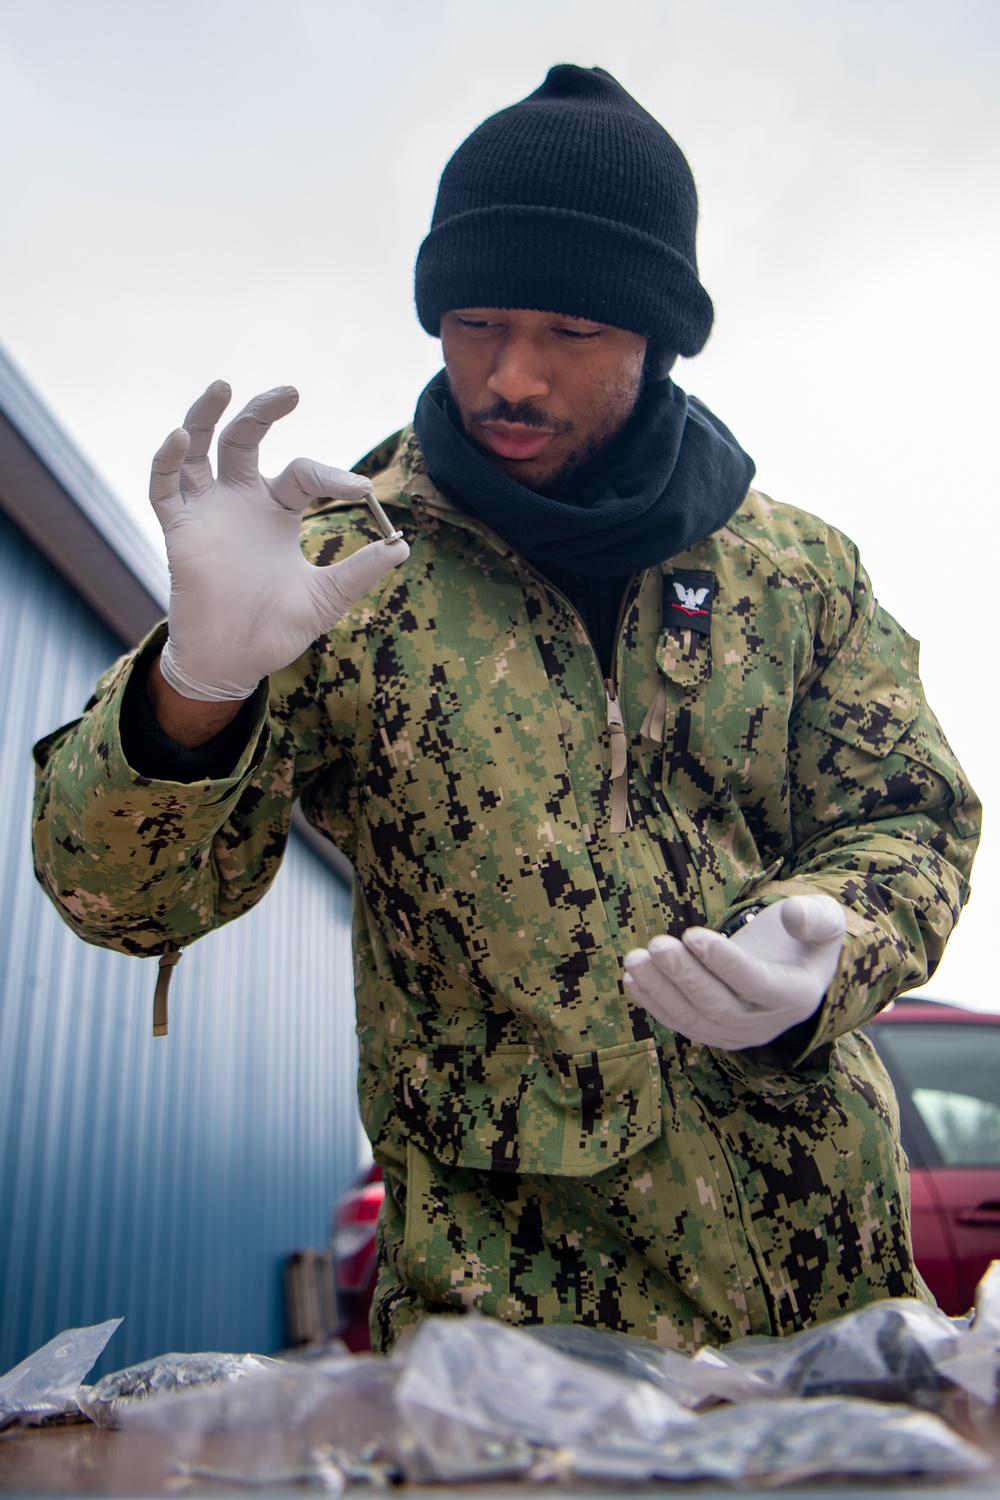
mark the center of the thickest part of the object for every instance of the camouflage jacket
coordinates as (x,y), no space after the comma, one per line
(517,824)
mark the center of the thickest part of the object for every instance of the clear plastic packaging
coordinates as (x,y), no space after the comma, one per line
(785,1441)
(975,1363)
(898,1350)
(894,1351)
(46,1384)
(108,1402)
(289,1421)
(478,1399)
(468,1398)
(625,1354)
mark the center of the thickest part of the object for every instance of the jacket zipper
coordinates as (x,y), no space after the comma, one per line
(621,812)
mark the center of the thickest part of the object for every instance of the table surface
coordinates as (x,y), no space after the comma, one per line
(81,1459)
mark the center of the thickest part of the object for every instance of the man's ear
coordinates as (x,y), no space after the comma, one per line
(659,361)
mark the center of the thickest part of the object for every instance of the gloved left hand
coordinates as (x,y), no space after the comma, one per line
(745,990)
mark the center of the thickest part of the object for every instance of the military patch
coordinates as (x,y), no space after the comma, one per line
(687,599)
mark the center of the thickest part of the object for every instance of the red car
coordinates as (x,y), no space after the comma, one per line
(355,1259)
(945,1064)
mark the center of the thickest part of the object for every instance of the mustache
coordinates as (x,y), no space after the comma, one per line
(521,415)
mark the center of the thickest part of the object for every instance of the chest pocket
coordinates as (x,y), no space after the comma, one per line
(684,648)
(684,658)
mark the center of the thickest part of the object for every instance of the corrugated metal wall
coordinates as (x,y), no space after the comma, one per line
(159,1180)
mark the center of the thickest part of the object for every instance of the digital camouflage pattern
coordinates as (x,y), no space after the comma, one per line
(517,825)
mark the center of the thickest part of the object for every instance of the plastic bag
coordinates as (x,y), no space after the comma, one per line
(268,1393)
(898,1350)
(975,1363)
(783,1441)
(626,1354)
(892,1351)
(109,1401)
(482,1400)
(46,1384)
(469,1398)
(324,1421)
(478,1399)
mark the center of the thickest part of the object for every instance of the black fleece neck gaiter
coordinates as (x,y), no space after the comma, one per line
(673,476)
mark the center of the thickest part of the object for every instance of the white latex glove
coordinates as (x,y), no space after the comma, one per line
(745,990)
(244,601)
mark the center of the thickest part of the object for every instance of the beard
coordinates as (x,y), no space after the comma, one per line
(573,474)
(583,458)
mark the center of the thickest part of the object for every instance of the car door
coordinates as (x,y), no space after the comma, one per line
(947,1078)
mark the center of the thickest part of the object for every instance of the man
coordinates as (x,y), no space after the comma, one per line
(647,810)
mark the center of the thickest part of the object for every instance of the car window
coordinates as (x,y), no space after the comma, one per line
(951,1072)
(965,1130)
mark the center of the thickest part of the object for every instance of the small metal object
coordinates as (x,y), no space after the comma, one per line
(735,924)
(385,525)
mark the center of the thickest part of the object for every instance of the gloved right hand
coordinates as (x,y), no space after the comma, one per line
(244,601)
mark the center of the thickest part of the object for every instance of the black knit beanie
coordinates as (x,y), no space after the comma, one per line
(573,201)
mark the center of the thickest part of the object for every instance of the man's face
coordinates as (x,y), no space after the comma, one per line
(540,394)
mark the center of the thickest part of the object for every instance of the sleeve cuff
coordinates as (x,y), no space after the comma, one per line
(152,753)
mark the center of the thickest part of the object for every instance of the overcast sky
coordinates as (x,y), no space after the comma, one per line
(237,188)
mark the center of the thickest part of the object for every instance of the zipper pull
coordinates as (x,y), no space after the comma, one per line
(654,724)
(168,962)
(621,813)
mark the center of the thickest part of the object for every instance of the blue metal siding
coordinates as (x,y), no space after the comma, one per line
(159,1180)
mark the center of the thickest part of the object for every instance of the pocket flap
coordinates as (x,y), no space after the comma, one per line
(684,656)
(517,1110)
